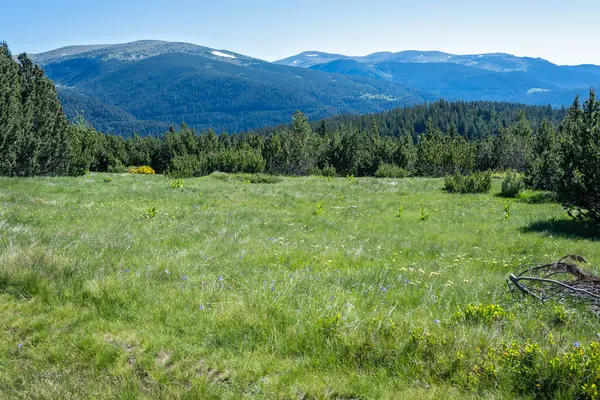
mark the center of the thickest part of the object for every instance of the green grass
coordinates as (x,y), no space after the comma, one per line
(238,290)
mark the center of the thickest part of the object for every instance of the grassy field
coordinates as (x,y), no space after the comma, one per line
(120,286)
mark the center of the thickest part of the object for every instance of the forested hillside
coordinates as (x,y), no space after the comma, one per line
(147,86)
(495,76)
(471,119)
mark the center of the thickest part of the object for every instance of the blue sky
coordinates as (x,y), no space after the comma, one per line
(564,32)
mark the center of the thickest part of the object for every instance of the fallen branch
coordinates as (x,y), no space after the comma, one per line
(568,282)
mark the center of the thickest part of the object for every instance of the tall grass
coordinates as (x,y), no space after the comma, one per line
(236,290)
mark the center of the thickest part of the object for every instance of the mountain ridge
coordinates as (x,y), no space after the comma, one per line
(147,86)
(133,86)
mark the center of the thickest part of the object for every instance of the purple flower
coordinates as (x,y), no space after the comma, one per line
(220,278)
(201,307)
(184,278)
(330,298)
(384,289)
(127,270)
(407,280)
(20,345)
(577,344)
(436,321)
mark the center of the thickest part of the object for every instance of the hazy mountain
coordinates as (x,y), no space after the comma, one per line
(147,86)
(497,76)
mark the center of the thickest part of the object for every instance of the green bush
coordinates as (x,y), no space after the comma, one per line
(185,167)
(390,171)
(478,182)
(327,171)
(117,167)
(578,182)
(512,185)
(177,183)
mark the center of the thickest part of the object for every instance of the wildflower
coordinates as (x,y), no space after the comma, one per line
(436,321)
(167,271)
(20,345)
(577,344)
(201,307)
(384,289)
(407,280)
(127,270)
(220,278)
(330,298)
(184,278)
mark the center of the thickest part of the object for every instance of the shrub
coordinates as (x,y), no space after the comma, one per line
(578,182)
(144,169)
(390,171)
(486,314)
(478,182)
(318,209)
(326,171)
(512,185)
(150,213)
(184,167)
(329,171)
(116,167)
(177,183)
(423,214)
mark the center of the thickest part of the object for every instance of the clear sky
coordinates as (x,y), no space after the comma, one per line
(564,32)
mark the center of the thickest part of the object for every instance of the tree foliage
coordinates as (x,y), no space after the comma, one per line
(33,128)
(578,183)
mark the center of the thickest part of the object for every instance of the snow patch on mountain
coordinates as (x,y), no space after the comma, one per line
(221,54)
(537,90)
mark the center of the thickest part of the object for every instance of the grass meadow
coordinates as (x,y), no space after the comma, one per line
(122,286)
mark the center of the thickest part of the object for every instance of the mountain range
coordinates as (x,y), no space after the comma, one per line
(148,86)
(496,76)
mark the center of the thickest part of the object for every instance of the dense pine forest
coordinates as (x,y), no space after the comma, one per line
(553,148)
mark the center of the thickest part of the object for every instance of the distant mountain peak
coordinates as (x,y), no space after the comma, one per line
(499,62)
(140,50)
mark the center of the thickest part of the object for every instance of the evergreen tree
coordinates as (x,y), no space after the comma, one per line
(578,184)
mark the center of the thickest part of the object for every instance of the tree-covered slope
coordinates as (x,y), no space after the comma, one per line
(143,85)
(495,77)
